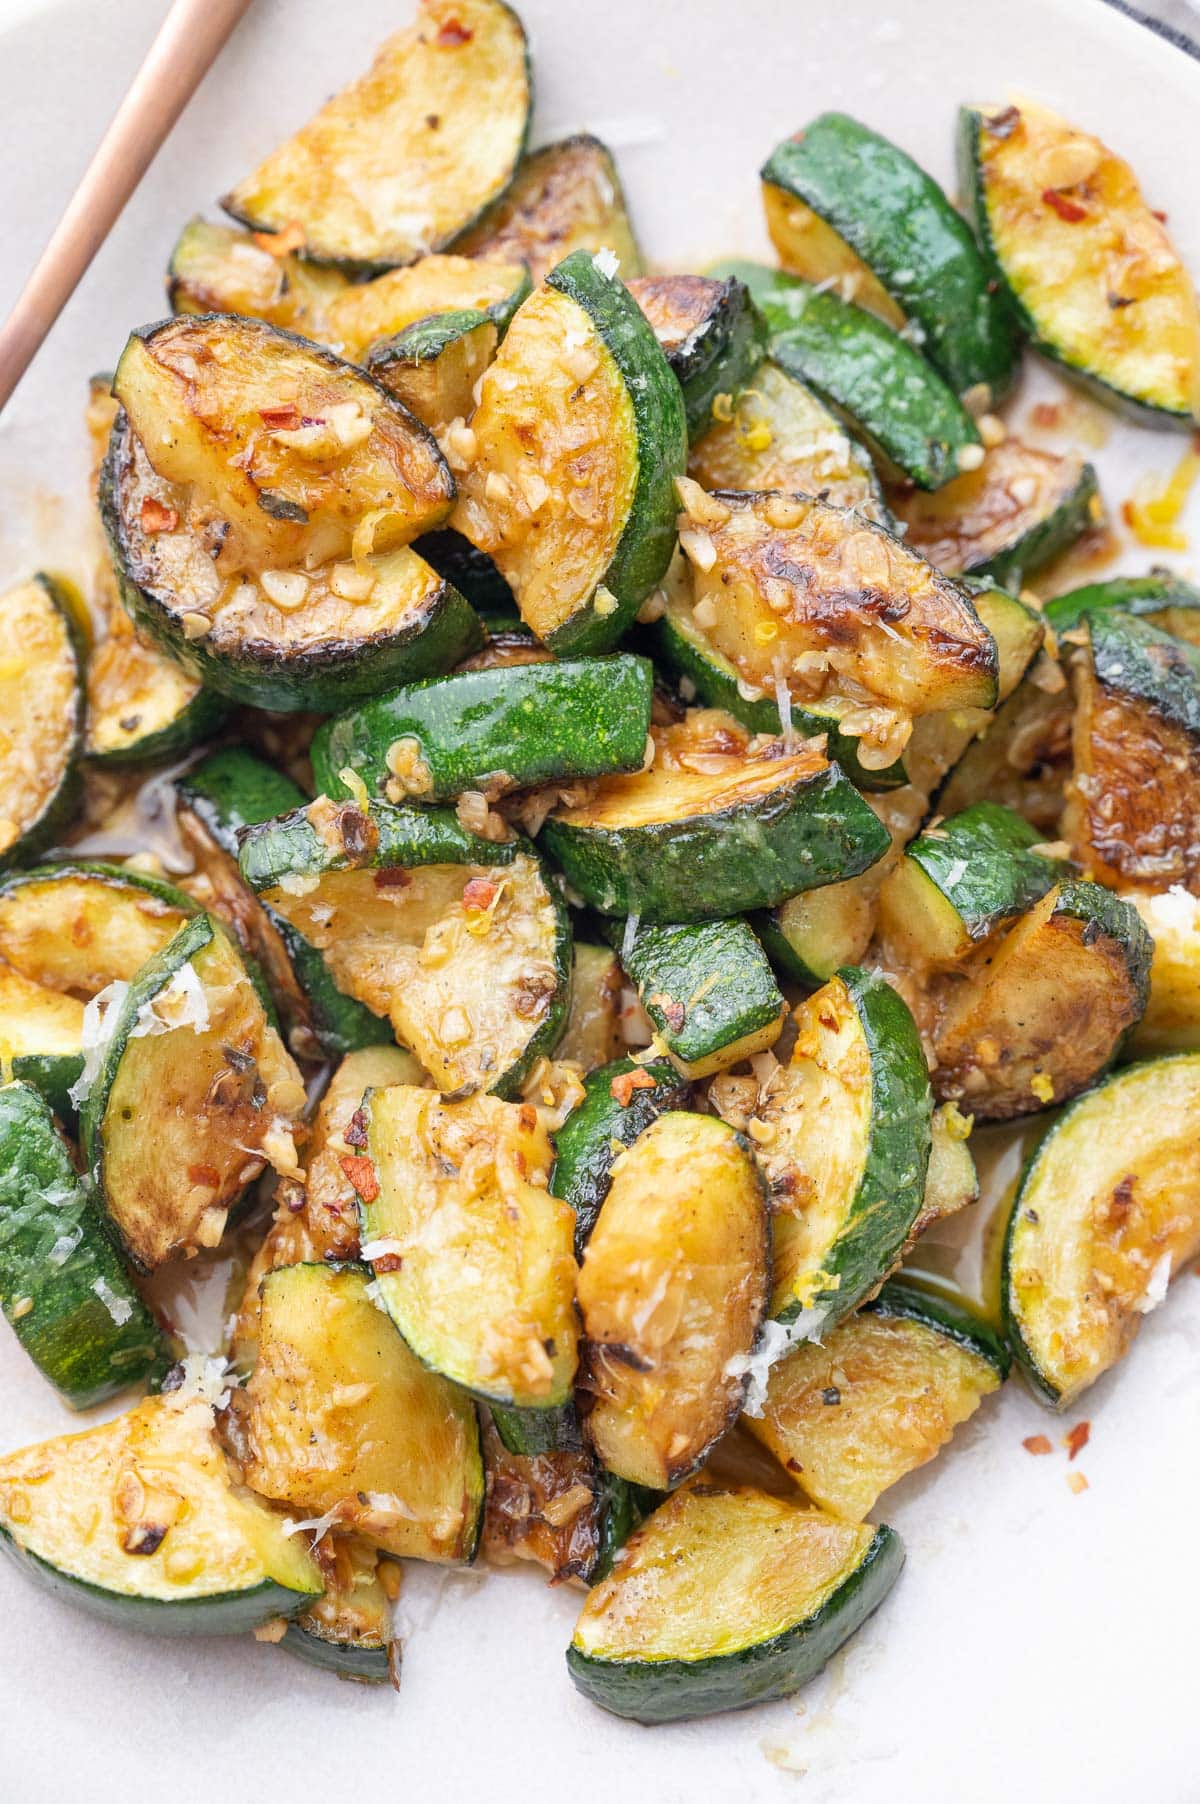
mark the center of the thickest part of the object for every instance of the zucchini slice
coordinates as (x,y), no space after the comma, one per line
(578,438)
(492,730)
(620,1101)
(401,161)
(552,1505)
(1107,1212)
(1044,1009)
(1162,598)
(896,401)
(810,936)
(218,269)
(1088,266)
(195,1092)
(881,1394)
(794,592)
(564,197)
(844,1138)
(712,335)
(347,1631)
(265,542)
(1016,512)
(777,435)
(672,1289)
(143,1523)
(42,708)
(41,1038)
(1171,1022)
(724,1597)
(1133,805)
(958,883)
(472,1255)
(462,943)
(66,1294)
(1021,758)
(432,367)
(592,1035)
(340,1420)
(717,825)
(708,990)
(844,203)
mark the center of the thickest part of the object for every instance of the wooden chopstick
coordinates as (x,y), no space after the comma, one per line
(188,41)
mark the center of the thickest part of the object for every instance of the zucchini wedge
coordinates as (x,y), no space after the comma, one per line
(878,1398)
(708,990)
(726,1597)
(957,884)
(348,1631)
(1091,273)
(1133,804)
(67,1296)
(461,942)
(432,367)
(592,1035)
(896,401)
(41,1038)
(812,599)
(264,543)
(777,435)
(811,936)
(400,162)
(718,824)
(553,1506)
(575,446)
(620,1101)
(843,1134)
(1039,1013)
(492,730)
(842,202)
(472,1255)
(712,335)
(193,1094)
(1107,1212)
(1171,1022)
(1020,757)
(1016,512)
(42,708)
(1161,597)
(672,1289)
(339,1420)
(564,197)
(219,269)
(143,1523)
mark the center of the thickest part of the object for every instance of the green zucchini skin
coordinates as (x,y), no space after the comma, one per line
(527,724)
(1109,915)
(1159,597)
(471,572)
(61,805)
(1046,540)
(1135,659)
(624,1507)
(706,986)
(231,789)
(685,654)
(982,861)
(584,1145)
(891,1186)
(665,1691)
(71,1332)
(900,223)
(946,1315)
(722,351)
(366,1662)
(645,547)
(224,1613)
(750,855)
(864,370)
(528,1432)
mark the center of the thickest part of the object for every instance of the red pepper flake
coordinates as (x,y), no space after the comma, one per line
(360,1175)
(1161,217)
(1127,513)
(205,1175)
(527,1117)
(394,877)
(157,517)
(1037,1443)
(1047,415)
(280,419)
(1070,210)
(453,34)
(479,893)
(626,1082)
(1077,1438)
(386,1262)
(281,244)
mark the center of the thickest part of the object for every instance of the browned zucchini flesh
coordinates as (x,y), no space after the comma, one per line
(565,197)
(672,1289)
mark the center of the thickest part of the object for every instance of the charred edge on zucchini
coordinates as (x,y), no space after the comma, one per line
(564,197)
(712,336)
(620,1101)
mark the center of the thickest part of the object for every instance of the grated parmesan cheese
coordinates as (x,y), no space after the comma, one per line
(99,1026)
(607,262)
(1156,1287)
(775,1340)
(120,1308)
